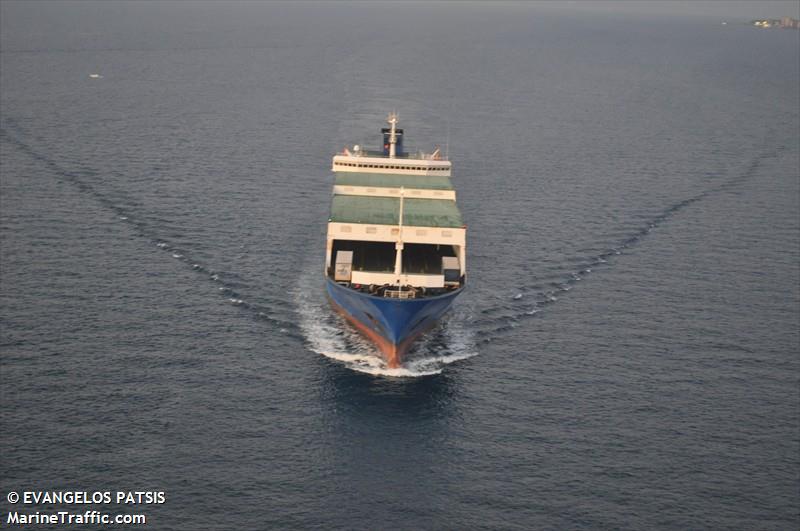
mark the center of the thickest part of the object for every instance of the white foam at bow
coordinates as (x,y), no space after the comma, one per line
(329,335)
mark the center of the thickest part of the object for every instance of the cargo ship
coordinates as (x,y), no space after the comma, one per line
(396,244)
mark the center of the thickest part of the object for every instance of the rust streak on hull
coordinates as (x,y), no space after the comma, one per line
(393,353)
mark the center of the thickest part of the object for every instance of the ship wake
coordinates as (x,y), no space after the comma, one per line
(529,301)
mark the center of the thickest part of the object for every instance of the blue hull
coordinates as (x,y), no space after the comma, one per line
(392,323)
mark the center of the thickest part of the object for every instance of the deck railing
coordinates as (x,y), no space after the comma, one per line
(399,294)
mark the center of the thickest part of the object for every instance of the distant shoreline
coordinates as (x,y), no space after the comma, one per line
(779,23)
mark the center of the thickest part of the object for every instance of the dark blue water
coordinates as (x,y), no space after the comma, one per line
(626,355)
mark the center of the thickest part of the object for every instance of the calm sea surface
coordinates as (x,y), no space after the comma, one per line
(626,355)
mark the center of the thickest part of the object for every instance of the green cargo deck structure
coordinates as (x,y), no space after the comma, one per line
(371,210)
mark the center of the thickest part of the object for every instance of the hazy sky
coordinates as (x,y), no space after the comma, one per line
(733,10)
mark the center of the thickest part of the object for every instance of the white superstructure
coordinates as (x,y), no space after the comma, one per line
(396,216)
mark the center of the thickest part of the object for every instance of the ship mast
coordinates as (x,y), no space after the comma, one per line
(398,258)
(393,135)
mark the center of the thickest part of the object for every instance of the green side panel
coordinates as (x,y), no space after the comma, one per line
(369,210)
(384,211)
(431,213)
(385,180)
